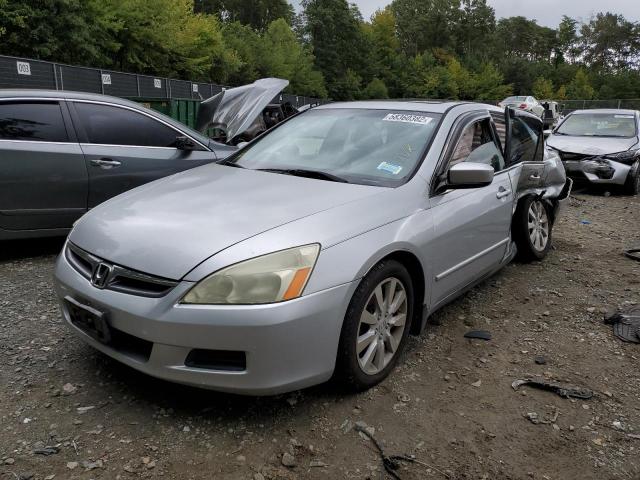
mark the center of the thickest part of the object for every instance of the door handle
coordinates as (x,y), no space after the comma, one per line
(105,163)
(503,192)
(533,176)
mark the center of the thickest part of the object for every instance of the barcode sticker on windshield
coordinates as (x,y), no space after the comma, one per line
(623,116)
(407,118)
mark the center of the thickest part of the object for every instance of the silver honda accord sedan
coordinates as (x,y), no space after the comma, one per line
(315,250)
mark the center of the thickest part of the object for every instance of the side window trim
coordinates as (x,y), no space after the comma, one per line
(84,138)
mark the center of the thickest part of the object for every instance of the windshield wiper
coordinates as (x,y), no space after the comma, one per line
(229,163)
(301,172)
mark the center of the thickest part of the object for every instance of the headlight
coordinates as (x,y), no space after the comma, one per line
(624,157)
(271,278)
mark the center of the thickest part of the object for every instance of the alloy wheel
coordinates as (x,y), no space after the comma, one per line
(381,326)
(538,225)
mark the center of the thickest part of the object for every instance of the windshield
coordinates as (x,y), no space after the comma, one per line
(515,99)
(369,147)
(599,125)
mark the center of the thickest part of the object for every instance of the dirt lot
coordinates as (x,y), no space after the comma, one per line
(450,403)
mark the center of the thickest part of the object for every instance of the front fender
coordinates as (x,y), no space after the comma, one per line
(352,259)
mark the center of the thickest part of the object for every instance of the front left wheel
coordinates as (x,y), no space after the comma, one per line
(375,327)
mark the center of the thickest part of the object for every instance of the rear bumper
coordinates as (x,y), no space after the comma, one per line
(287,346)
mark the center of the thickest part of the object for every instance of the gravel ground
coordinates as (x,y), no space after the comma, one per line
(450,402)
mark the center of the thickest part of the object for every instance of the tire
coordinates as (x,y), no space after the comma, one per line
(532,229)
(353,371)
(632,184)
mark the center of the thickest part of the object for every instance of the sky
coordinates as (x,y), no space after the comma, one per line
(546,12)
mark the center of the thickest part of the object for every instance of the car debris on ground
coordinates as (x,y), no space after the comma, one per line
(626,325)
(566,391)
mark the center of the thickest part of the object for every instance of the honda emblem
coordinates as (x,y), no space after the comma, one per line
(101,275)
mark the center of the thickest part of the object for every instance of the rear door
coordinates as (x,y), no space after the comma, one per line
(125,148)
(471,225)
(43,177)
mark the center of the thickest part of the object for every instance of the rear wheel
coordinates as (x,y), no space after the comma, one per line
(375,327)
(632,185)
(532,228)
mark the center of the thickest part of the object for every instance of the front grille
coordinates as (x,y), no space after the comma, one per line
(573,157)
(108,276)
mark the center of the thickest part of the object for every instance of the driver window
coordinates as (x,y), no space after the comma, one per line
(476,144)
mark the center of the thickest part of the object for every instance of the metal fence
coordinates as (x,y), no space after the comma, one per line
(28,73)
(568,106)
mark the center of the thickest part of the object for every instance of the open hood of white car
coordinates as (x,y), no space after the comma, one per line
(236,110)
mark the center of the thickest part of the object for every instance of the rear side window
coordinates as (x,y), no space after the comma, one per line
(107,125)
(32,121)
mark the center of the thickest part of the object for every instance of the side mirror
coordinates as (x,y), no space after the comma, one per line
(469,175)
(184,143)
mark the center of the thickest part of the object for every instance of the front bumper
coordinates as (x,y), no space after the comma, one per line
(287,345)
(597,171)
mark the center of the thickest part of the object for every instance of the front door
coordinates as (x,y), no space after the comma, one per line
(43,177)
(471,225)
(125,148)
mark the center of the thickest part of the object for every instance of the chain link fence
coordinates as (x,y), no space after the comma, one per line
(28,73)
(568,106)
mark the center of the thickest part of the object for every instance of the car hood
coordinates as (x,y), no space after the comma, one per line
(590,145)
(167,227)
(236,109)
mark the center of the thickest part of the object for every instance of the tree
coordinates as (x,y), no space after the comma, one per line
(256,13)
(68,31)
(339,45)
(567,39)
(385,46)
(426,24)
(580,88)
(561,93)
(282,56)
(490,84)
(244,42)
(376,89)
(477,23)
(610,41)
(543,88)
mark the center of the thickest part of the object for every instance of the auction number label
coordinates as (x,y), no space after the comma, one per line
(24,68)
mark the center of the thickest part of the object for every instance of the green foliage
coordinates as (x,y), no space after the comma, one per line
(282,56)
(71,31)
(376,89)
(258,14)
(339,45)
(543,88)
(412,48)
(580,88)
(561,93)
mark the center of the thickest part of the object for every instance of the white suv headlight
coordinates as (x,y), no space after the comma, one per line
(271,278)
